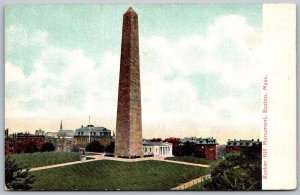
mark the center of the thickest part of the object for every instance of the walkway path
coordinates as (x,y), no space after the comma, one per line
(102,157)
(60,165)
(191,183)
(184,163)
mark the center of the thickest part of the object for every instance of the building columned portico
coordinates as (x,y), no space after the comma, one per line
(157,148)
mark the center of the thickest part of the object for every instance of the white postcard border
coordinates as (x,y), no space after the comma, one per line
(278,132)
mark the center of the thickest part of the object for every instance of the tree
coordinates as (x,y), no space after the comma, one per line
(221,150)
(94,146)
(175,145)
(156,140)
(31,147)
(61,141)
(110,148)
(47,147)
(235,172)
(15,177)
(185,149)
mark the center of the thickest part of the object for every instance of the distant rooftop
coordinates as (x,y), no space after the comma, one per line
(65,133)
(242,142)
(149,143)
(91,129)
(203,141)
(39,132)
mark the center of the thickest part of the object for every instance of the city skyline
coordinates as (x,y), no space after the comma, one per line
(192,73)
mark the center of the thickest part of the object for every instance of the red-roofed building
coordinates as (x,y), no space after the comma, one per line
(203,147)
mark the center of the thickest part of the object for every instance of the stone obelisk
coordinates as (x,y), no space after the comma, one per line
(128,141)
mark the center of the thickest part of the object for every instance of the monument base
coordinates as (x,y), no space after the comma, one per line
(128,157)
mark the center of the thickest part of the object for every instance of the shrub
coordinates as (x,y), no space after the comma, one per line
(94,146)
(47,147)
(110,148)
(235,173)
(31,147)
(15,177)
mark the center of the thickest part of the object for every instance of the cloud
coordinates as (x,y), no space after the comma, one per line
(18,37)
(40,37)
(64,82)
(13,73)
(169,93)
(232,52)
(69,83)
(15,36)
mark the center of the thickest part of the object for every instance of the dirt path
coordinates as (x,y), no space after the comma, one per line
(184,163)
(60,165)
(191,183)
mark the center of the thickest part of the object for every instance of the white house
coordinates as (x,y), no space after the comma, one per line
(157,149)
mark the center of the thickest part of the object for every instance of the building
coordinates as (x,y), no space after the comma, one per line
(238,145)
(157,149)
(65,140)
(25,142)
(65,134)
(175,144)
(84,135)
(52,138)
(202,147)
(8,149)
(129,121)
(39,132)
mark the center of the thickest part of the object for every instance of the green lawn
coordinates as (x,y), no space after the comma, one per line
(190,159)
(39,159)
(115,175)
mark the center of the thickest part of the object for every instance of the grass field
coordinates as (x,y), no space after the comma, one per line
(190,159)
(39,159)
(115,175)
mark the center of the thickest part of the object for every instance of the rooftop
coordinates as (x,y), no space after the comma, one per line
(91,129)
(65,133)
(242,142)
(200,140)
(149,143)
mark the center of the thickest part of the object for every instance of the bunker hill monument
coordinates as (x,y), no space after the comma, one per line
(129,120)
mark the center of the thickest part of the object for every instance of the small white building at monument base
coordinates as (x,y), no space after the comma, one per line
(157,149)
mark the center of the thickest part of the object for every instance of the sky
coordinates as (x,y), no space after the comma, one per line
(199,68)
